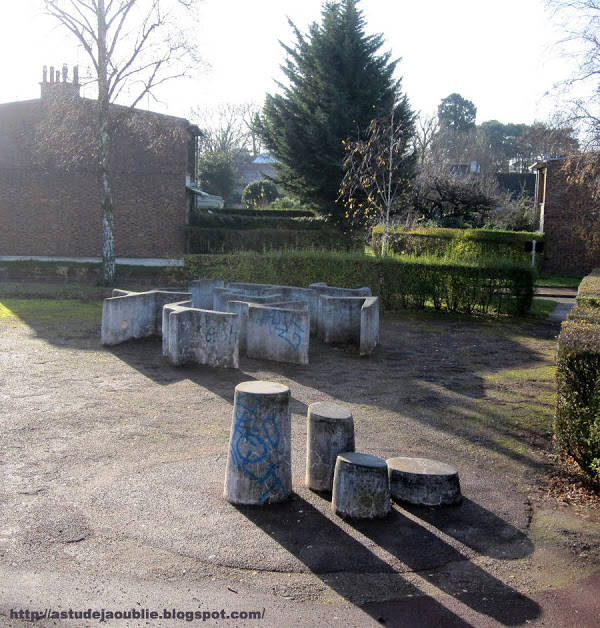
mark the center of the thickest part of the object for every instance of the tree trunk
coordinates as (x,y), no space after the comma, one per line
(108,236)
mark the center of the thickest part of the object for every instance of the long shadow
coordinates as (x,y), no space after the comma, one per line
(430,368)
(327,549)
(477,528)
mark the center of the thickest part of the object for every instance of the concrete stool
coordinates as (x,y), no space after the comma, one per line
(361,488)
(259,463)
(424,482)
(330,432)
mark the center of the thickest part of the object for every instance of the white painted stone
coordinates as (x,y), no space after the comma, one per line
(259,465)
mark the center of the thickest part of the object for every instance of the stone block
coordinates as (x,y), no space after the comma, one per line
(259,462)
(202,292)
(423,481)
(202,336)
(361,488)
(330,433)
(369,325)
(280,334)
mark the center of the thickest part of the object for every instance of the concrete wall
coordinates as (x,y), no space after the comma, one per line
(135,314)
(369,325)
(202,291)
(202,336)
(280,334)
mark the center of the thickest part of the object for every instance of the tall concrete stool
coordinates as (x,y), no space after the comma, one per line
(361,488)
(330,432)
(259,463)
(423,481)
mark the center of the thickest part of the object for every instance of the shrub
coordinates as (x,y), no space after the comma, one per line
(577,419)
(471,244)
(259,194)
(400,283)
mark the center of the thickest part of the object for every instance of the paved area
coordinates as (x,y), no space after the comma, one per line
(112,495)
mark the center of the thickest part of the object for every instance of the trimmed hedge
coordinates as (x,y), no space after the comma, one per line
(577,418)
(247,221)
(272,213)
(461,243)
(201,240)
(399,283)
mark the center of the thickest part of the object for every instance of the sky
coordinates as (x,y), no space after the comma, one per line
(499,55)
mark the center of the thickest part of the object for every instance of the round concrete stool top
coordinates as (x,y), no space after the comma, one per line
(262,388)
(420,466)
(362,460)
(326,410)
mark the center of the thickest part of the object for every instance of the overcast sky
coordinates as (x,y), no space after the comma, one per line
(499,55)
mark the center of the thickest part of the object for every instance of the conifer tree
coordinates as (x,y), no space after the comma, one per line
(337,84)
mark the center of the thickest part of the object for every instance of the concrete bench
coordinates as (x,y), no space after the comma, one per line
(330,433)
(259,462)
(424,482)
(361,487)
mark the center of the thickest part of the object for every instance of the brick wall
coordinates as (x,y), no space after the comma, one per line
(571,224)
(49,189)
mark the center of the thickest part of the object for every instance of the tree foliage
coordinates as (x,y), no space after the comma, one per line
(216,173)
(259,194)
(379,170)
(336,82)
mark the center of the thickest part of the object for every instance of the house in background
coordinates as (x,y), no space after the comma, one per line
(568,213)
(253,169)
(50,197)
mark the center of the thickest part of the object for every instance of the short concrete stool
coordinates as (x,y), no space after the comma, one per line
(424,482)
(361,488)
(259,463)
(330,432)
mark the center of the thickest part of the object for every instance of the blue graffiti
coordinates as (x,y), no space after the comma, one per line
(250,446)
(286,327)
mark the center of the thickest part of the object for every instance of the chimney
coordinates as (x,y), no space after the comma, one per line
(54,87)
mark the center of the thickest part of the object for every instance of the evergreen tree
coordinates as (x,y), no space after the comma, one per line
(337,83)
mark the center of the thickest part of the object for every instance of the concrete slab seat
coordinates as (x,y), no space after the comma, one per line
(202,336)
(330,433)
(259,461)
(424,482)
(352,320)
(361,487)
(128,315)
(278,333)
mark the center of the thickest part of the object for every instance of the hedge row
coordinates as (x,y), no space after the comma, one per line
(272,213)
(201,240)
(577,418)
(461,243)
(400,283)
(244,221)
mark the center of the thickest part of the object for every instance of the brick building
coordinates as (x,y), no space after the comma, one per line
(568,213)
(49,188)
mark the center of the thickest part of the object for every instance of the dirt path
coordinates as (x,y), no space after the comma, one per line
(113,466)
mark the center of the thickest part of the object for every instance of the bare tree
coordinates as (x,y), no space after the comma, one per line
(228,127)
(580,21)
(134,46)
(379,169)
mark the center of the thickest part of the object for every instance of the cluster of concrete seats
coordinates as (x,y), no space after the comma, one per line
(211,323)
(362,486)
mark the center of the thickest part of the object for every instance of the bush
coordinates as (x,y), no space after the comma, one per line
(577,419)
(464,244)
(259,194)
(399,283)
(270,212)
